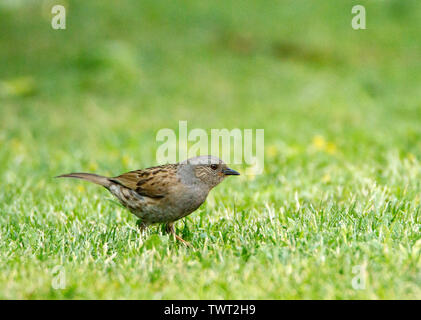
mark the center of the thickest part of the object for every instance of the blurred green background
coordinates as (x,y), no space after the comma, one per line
(341,110)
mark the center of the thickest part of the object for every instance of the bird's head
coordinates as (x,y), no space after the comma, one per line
(209,169)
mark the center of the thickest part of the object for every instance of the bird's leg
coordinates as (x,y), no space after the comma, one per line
(142,226)
(169,228)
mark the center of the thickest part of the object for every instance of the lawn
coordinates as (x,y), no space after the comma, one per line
(336,213)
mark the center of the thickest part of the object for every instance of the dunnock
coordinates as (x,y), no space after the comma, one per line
(166,193)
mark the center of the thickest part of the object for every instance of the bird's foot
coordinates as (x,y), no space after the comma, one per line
(170,229)
(183,241)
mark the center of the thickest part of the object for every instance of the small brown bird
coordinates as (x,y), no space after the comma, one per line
(166,193)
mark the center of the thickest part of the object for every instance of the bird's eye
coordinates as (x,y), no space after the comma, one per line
(214,166)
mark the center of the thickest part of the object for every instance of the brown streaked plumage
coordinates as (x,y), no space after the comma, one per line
(166,193)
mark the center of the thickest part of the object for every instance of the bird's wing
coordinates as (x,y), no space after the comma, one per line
(152,182)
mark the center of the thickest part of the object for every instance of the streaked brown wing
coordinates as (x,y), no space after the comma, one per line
(151,182)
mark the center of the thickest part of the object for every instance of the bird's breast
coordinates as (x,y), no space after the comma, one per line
(187,199)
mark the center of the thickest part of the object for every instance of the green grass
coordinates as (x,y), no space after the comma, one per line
(342,116)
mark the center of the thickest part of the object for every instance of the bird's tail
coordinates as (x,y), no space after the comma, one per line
(101,180)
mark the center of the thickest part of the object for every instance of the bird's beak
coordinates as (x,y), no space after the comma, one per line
(230,172)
